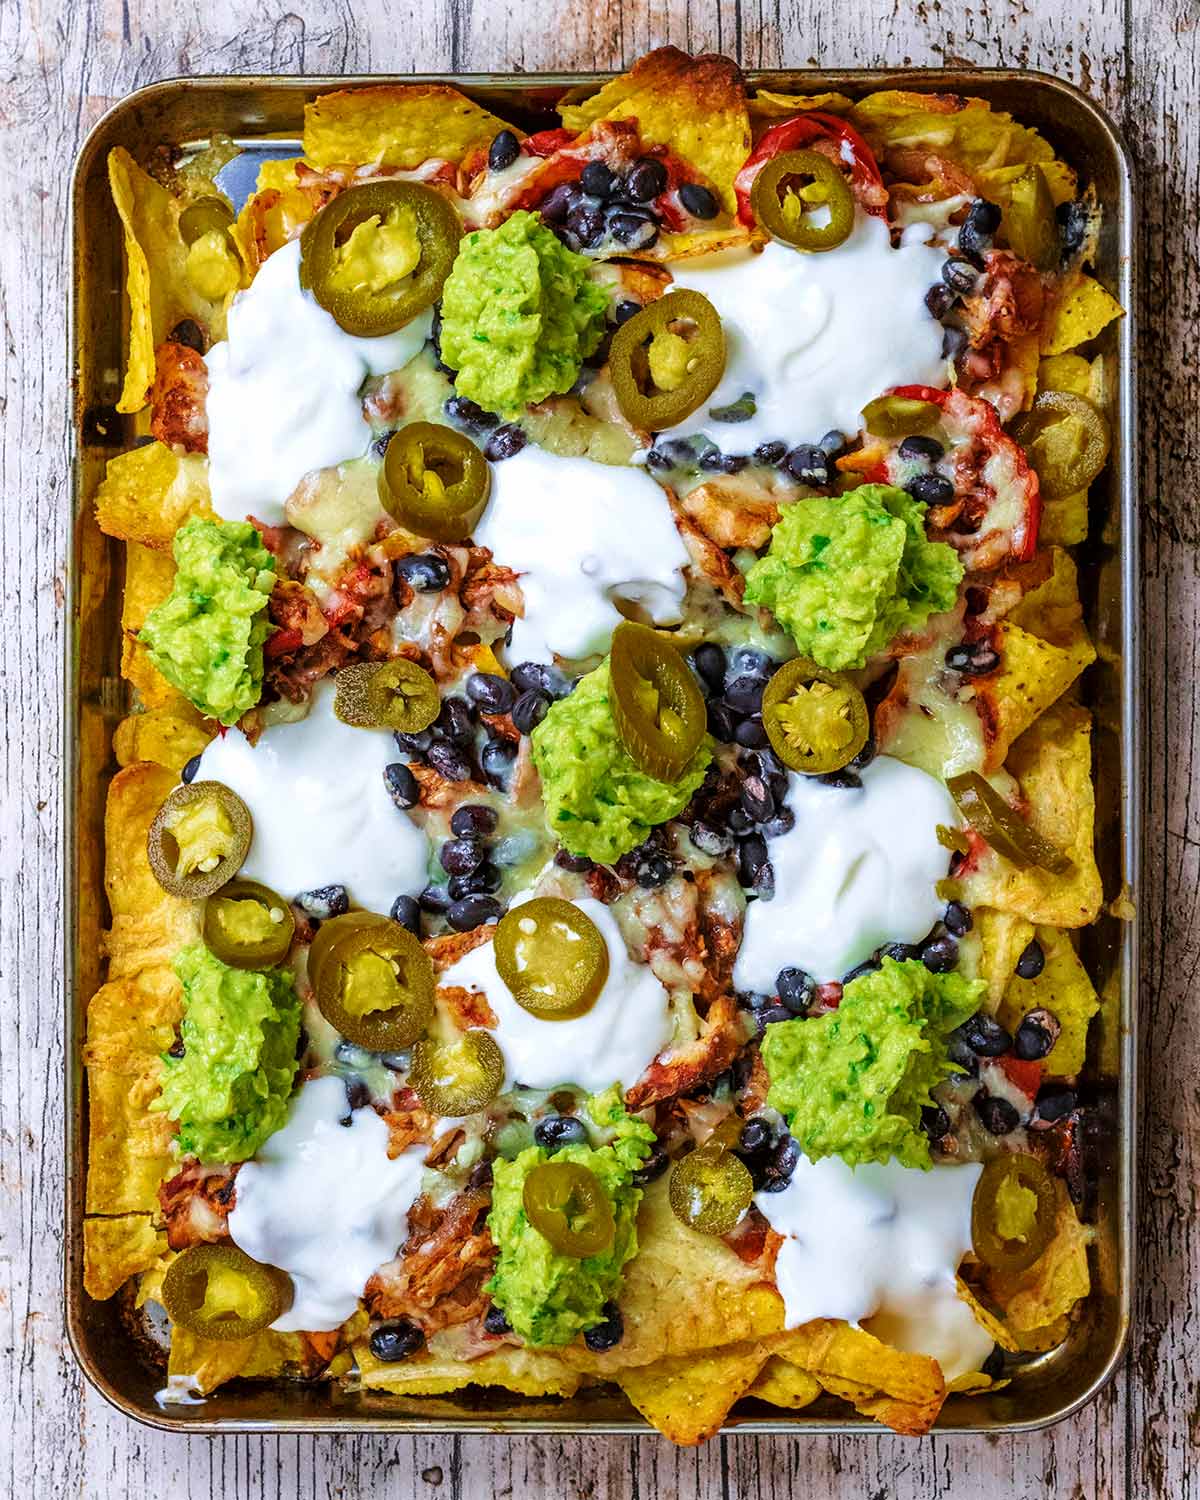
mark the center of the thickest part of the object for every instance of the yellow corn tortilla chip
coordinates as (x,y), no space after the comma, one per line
(398,125)
(974,1383)
(1052,610)
(911,1418)
(682,1291)
(688,1396)
(1001,938)
(985,1319)
(160,293)
(129,1148)
(969,131)
(149,574)
(148,493)
(768,105)
(694,105)
(1052,763)
(528,1372)
(1035,1298)
(784,1384)
(1079,313)
(692,243)
(169,736)
(827,1347)
(1038,1340)
(1064,989)
(1033,675)
(116,1249)
(208,1363)
(131,1020)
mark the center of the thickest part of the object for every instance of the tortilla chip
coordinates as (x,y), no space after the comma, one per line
(129,1148)
(131,1020)
(784,1384)
(986,1320)
(1080,313)
(1064,989)
(149,574)
(528,1372)
(169,736)
(1002,937)
(974,1383)
(912,1418)
(1038,1340)
(160,293)
(208,1363)
(767,105)
(829,1348)
(691,243)
(687,1397)
(683,1291)
(148,493)
(1033,675)
(398,125)
(1052,609)
(968,131)
(116,1249)
(694,105)
(1049,1289)
(1052,763)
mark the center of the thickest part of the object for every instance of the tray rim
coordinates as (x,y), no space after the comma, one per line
(1124,476)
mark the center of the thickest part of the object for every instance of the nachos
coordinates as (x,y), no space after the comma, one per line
(606,804)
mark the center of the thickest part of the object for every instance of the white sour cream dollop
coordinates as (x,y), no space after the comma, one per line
(283,390)
(815,337)
(322,1202)
(858,869)
(615,1042)
(881,1242)
(581,534)
(322,812)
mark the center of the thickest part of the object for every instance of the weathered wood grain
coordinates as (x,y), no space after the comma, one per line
(60,65)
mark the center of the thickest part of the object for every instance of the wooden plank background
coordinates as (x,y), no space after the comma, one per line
(62,62)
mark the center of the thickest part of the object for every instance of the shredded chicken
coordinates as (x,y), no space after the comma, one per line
(177,399)
(196,1203)
(437,1280)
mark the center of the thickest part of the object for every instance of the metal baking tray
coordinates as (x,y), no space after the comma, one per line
(264,115)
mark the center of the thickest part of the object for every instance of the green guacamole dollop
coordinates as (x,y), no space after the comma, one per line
(230,1089)
(547,1297)
(597,801)
(519,315)
(851,1083)
(206,637)
(847,574)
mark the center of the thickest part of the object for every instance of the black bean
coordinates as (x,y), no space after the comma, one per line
(379,445)
(919,446)
(494,1321)
(632,230)
(770,454)
(782,1161)
(177,1049)
(722,721)
(957,918)
(748,661)
(755,1001)
(709,662)
(598,180)
(1054,1102)
(997,1115)
(868,966)
(357,1094)
(579,864)
(625,310)
(536,674)
(505,442)
(756,799)
(845,780)
(974,659)
(654,871)
(796,989)
(935,1122)
(646,180)
(954,341)
(782,822)
(713,460)
(809,465)
(606,1335)
(744,694)
(961,1055)
(392,1341)
(485,879)
(1034,1039)
(457,722)
(448,762)
(490,692)
(864,757)
(469,413)
(402,785)
(931,489)
(496,759)
(424,572)
(460,856)
(833,444)
(940,954)
(435,899)
(188,333)
(586,225)
(653,1167)
(1032,960)
(959,275)
(983,216)
(756,1136)
(413,746)
(325,902)
(752,856)
(1074,219)
(985,1036)
(529,710)
(750,734)
(553,1132)
(188,774)
(772,1013)
(503,151)
(764,882)
(473,911)
(558,202)
(406,910)
(698,200)
(474,820)
(973,243)
(939,299)
(709,840)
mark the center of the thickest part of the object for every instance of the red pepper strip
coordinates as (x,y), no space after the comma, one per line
(283,640)
(800,131)
(1025,1074)
(547,142)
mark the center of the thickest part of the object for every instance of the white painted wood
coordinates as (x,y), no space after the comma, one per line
(61,63)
